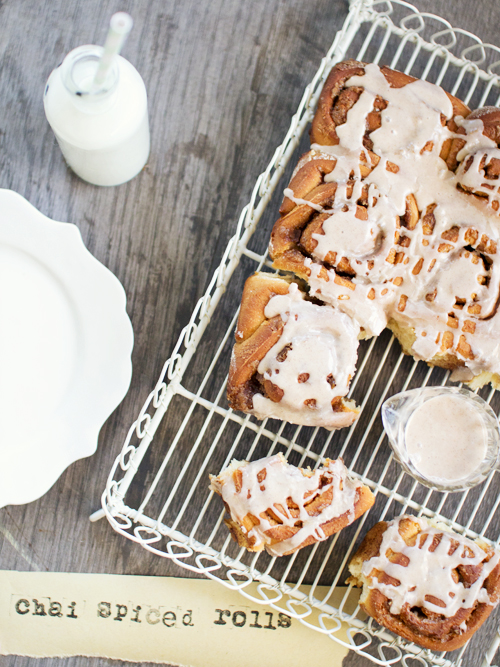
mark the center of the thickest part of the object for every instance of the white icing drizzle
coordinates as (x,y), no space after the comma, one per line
(297,200)
(350,236)
(315,369)
(413,276)
(426,573)
(269,482)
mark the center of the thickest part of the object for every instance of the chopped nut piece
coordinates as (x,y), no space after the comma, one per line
(470,236)
(469,326)
(431,296)
(238,480)
(391,257)
(464,348)
(390,166)
(451,234)
(428,220)
(418,267)
(447,342)
(411,212)
(281,356)
(345,282)
(331,381)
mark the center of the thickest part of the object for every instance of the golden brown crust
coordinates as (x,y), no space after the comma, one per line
(323,125)
(309,173)
(406,337)
(285,247)
(292,238)
(258,289)
(491,121)
(364,500)
(278,533)
(255,336)
(490,165)
(429,630)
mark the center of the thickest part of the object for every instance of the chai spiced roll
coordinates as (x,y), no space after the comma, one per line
(426,583)
(293,359)
(281,508)
(391,217)
(338,97)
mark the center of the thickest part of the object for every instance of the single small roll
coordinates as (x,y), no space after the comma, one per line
(293,359)
(281,508)
(426,583)
(337,99)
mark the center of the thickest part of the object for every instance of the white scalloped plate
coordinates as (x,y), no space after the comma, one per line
(65,346)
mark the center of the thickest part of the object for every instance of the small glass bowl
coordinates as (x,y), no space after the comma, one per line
(398,409)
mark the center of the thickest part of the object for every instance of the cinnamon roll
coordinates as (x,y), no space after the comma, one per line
(339,96)
(281,508)
(293,358)
(391,218)
(426,583)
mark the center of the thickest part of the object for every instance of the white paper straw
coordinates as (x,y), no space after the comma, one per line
(119,27)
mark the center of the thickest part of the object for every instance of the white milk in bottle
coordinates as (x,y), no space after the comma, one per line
(101,126)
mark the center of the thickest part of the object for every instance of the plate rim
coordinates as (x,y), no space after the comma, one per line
(100,301)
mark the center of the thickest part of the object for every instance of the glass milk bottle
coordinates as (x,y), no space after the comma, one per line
(103,130)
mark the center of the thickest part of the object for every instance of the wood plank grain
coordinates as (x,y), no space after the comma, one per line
(223,78)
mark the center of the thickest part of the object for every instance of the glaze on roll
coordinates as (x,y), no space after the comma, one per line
(397,224)
(293,359)
(425,582)
(281,508)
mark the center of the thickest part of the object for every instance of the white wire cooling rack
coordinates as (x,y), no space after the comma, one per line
(157,492)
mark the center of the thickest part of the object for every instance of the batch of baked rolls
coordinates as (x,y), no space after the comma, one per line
(390,220)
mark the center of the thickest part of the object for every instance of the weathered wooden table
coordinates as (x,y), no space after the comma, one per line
(223,78)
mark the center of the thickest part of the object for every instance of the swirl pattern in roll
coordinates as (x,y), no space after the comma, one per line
(425,582)
(393,217)
(293,358)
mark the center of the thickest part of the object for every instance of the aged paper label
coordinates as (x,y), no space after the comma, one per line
(193,622)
